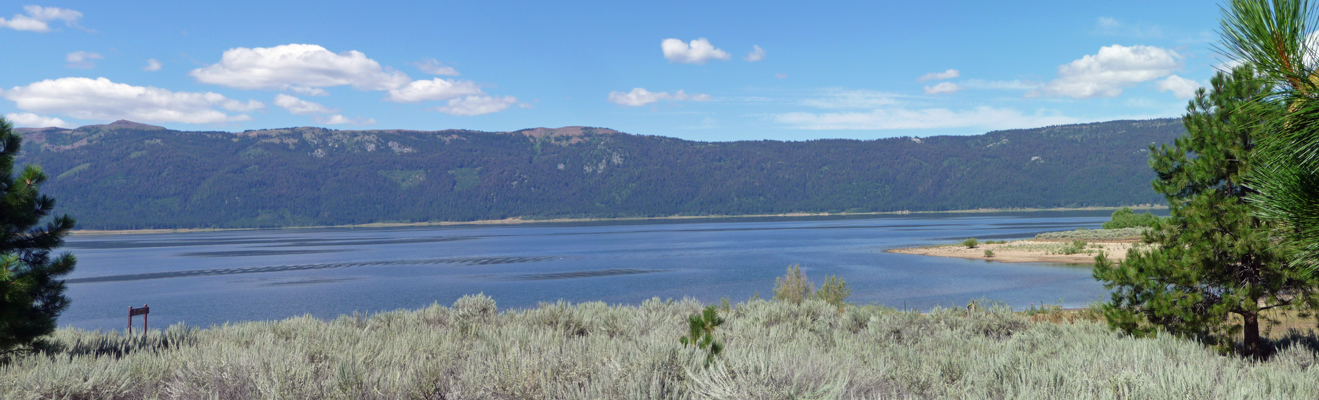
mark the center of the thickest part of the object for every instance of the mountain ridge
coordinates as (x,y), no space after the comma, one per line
(127,175)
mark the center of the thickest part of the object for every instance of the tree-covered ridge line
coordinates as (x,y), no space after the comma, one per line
(131,176)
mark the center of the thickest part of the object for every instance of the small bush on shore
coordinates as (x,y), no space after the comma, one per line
(1125,218)
(971,243)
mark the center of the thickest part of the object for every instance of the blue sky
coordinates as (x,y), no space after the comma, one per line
(691,70)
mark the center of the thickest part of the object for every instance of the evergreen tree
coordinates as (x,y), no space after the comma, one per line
(1276,34)
(1212,259)
(31,295)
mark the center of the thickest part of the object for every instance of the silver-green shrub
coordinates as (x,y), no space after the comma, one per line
(1094,234)
(595,351)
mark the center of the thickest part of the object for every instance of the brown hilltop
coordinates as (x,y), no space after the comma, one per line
(126,124)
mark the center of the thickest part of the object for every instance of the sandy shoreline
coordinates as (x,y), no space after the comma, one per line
(518,221)
(1029,250)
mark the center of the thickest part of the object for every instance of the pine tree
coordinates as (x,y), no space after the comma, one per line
(31,293)
(1276,34)
(1215,266)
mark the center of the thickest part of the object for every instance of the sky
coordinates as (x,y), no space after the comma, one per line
(703,71)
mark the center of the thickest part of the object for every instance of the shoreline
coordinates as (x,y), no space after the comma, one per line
(1028,251)
(521,221)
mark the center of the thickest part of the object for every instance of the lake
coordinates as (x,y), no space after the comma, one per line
(210,278)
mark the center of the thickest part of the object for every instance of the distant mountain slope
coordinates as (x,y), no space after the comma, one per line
(130,175)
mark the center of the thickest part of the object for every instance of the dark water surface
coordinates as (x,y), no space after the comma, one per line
(216,277)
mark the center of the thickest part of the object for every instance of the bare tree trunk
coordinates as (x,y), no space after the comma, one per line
(1251,346)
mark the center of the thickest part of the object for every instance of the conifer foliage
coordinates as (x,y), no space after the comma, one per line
(31,293)
(1278,35)
(1215,266)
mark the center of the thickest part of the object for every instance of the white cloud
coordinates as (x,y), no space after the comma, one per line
(82,59)
(30,120)
(434,89)
(298,65)
(1113,69)
(998,85)
(942,87)
(308,91)
(477,105)
(851,99)
(101,99)
(641,97)
(37,18)
(698,52)
(298,106)
(338,119)
(930,118)
(1181,87)
(239,106)
(433,67)
(938,76)
(152,65)
(756,54)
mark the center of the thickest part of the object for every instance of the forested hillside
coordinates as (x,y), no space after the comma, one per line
(128,175)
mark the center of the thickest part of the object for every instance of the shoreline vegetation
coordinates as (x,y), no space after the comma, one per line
(521,221)
(1078,247)
(770,349)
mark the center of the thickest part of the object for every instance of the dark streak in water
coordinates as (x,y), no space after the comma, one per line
(309,281)
(371,242)
(580,274)
(303,267)
(256,253)
(272,242)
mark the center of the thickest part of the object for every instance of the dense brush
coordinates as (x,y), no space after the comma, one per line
(773,350)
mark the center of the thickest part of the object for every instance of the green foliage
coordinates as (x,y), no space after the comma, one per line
(1076,246)
(700,333)
(970,243)
(31,293)
(834,291)
(1095,234)
(1213,258)
(1276,37)
(273,178)
(1125,218)
(793,287)
(989,253)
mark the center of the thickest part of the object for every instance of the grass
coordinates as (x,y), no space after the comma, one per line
(595,351)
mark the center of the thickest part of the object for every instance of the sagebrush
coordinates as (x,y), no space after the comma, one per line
(596,351)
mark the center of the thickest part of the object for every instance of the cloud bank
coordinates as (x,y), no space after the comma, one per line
(101,99)
(30,120)
(298,106)
(477,105)
(294,66)
(1107,73)
(641,97)
(37,18)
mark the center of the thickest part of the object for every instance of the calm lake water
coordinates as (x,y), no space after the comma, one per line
(213,278)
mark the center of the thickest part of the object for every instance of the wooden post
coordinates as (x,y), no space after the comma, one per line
(138,311)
